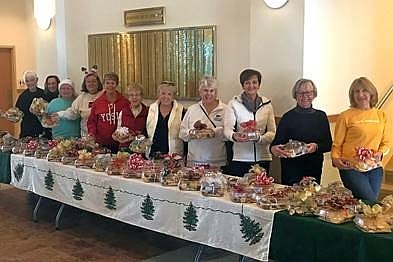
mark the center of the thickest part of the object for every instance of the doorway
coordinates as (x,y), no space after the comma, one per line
(7,76)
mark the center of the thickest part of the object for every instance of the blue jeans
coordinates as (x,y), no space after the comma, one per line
(364,185)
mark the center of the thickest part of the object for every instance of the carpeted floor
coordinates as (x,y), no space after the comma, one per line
(83,236)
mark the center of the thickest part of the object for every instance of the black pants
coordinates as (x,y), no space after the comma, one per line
(239,168)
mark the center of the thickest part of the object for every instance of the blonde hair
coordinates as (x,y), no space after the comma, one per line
(134,87)
(362,83)
(171,86)
(301,82)
(208,81)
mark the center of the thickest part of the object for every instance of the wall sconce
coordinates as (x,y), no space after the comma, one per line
(44,11)
(275,4)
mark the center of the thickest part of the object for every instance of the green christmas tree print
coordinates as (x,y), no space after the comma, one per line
(190,218)
(147,208)
(18,172)
(251,230)
(77,190)
(49,181)
(110,199)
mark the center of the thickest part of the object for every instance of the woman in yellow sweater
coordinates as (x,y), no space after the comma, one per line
(361,126)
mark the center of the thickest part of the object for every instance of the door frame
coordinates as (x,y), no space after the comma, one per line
(14,87)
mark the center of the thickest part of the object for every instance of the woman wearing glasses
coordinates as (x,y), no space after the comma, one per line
(305,124)
(208,112)
(163,122)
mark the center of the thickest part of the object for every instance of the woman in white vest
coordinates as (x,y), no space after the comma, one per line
(243,108)
(210,112)
(163,122)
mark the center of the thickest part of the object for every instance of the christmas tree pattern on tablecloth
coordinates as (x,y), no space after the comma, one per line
(147,208)
(18,172)
(110,199)
(190,218)
(49,181)
(250,229)
(77,190)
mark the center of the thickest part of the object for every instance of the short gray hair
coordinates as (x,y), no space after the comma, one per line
(29,74)
(207,81)
(301,82)
(171,86)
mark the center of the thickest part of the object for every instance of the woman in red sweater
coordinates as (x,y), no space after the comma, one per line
(105,112)
(137,122)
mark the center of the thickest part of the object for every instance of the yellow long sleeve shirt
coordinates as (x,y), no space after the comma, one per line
(356,128)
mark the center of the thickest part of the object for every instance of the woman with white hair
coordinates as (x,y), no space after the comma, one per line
(30,125)
(163,122)
(210,112)
(65,128)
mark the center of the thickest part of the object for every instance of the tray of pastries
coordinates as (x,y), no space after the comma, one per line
(201,131)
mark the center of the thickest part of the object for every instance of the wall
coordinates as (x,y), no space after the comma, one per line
(344,40)
(240,43)
(21,35)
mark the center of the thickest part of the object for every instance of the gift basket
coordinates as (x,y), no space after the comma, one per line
(85,159)
(336,204)
(365,160)
(372,219)
(8,143)
(70,149)
(249,131)
(258,179)
(276,198)
(135,165)
(31,147)
(122,134)
(169,178)
(13,115)
(101,162)
(213,184)
(201,131)
(117,164)
(295,148)
(42,149)
(303,201)
(49,120)
(21,145)
(38,106)
(240,192)
(140,144)
(189,178)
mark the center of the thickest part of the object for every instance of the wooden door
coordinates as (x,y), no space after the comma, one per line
(6,76)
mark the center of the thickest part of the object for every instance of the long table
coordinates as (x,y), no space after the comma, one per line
(293,238)
(213,221)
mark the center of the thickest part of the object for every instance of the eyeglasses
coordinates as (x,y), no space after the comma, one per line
(169,83)
(309,93)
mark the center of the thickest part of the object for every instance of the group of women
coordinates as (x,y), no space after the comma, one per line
(166,122)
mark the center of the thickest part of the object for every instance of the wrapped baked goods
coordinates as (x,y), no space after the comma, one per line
(172,161)
(151,172)
(31,147)
(249,131)
(201,131)
(241,193)
(190,179)
(258,179)
(85,159)
(169,178)
(336,216)
(49,120)
(140,144)
(70,149)
(303,201)
(387,208)
(123,135)
(372,220)
(102,161)
(118,164)
(364,159)
(295,148)
(213,184)
(38,106)
(276,198)
(8,143)
(42,150)
(135,165)
(13,114)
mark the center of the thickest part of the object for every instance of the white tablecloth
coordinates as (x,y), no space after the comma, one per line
(216,222)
